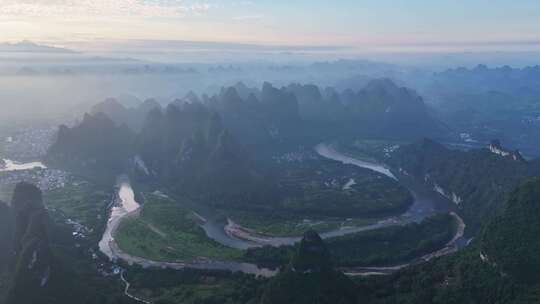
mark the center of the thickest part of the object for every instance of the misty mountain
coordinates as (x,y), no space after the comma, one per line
(189,147)
(265,117)
(132,116)
(96,145)
(307,114)
(516,81)
(489,103)
(314,106)
(381,108)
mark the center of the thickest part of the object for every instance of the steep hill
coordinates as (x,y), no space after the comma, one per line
(260,119)
(500,267)
(6,235)
(32,248)
(310,278)
(187,147)
(96,146)
(510,242)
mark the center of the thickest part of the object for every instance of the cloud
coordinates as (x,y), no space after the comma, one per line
(99,8)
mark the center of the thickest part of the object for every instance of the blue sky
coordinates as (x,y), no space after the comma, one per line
(355,23)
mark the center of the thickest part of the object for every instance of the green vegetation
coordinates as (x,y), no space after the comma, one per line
(80,201)
(480,178)
(393,245)
(511,240)
(166,231)
(499,267)
(293,226)
(319,191)
(194,286)
(310,278)
(459,278)
(76,276)
(388,246)
(318,194)
(329,188)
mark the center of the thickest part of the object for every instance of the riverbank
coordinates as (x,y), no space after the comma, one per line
(124,207)
(232,233)
(449,248)
(425,204)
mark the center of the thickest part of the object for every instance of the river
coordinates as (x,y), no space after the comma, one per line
(425,204)
(124,206)
(10,165)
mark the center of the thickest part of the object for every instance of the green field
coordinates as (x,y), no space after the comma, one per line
(294,226)
(193,286)
(381,247)
(322,195)
(166,231)
(82,202)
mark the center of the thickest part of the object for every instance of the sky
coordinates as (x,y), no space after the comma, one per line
(355,24)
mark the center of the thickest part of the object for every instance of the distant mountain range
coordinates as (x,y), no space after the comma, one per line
(486,102)
(380,109)
(302,114)
(198,139)
(31,47)
(521,81)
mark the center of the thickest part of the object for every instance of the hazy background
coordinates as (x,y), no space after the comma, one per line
(59,57)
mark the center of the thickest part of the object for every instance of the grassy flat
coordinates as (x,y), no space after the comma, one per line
(166,231)
(295,226)
(81,202)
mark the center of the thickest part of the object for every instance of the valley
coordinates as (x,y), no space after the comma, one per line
(179,239)
(262,194)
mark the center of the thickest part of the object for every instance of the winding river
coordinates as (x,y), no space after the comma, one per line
(125,206)
(425,204)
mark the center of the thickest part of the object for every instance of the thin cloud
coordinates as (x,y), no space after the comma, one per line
(98,8)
